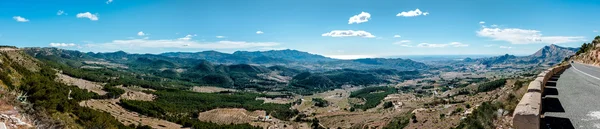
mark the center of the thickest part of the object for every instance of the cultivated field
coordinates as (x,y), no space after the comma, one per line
(83,84)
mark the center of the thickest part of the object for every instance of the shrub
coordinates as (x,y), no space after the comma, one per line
(388,105)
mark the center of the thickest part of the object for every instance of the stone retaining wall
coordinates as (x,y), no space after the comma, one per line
(528,111)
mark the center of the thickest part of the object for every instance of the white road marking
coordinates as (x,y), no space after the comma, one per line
(593,115)
(585,73)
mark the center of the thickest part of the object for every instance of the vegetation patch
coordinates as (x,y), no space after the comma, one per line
(179,106)
(481,118)
(492,85)
(320,102)
(400,122)
(372,96)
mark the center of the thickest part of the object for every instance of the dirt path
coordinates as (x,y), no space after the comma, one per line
(127,117)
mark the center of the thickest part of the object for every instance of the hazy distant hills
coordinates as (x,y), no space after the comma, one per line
(548,55)
(292,55)
(295,58)
(256,57)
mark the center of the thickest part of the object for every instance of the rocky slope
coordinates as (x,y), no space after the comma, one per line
(32,97)
(11,106)
(589,53)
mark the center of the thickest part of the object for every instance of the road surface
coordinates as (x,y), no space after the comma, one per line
(572,99)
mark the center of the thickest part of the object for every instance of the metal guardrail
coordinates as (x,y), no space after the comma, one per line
(528,111)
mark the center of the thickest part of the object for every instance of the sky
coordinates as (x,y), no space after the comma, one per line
(334,28)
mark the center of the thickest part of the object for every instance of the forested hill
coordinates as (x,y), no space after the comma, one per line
(43,99)
(160,72)
(259,57)
(292,55)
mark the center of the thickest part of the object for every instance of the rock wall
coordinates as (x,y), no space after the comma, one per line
(528,111)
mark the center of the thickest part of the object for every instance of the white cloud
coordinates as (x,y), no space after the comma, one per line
(489,45)
(412,13)
(220,37)
(62,44)
(141,33)
(360,18)
(595,31)
(348,33)
(404,43)
(494,25)
(481,22)
(259,32)
(109,1)
(452,44)
(93,17)
(505,47)
(524,36)
(397,36)
(20,19)
(273,48)
(181,43)
(60,12)
(187,37)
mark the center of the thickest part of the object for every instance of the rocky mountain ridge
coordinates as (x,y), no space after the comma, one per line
(547,55)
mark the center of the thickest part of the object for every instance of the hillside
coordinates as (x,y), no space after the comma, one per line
(589,53)
(29,85)
(256,57)
(173,72)
(396,63)
(292,55)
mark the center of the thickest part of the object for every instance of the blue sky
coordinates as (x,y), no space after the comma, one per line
(439,27)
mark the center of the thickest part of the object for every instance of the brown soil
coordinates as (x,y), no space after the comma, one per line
(240,116)
(134,93)
(209,89)
(277,100)
(127,117)
(83,84)
(274,76)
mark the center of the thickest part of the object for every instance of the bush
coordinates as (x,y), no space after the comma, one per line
(482,118)
(320,102)
(388,105)
(113,92)
(400,122)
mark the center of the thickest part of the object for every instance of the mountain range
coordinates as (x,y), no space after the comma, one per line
(548,55)
(298,59)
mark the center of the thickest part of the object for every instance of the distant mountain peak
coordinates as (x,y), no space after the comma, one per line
(549,55)
(554,50)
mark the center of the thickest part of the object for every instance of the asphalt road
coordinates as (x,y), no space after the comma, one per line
(572,99)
